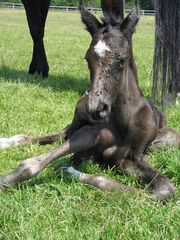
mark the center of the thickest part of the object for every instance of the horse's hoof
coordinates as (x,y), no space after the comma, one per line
(32,71)
(43,73)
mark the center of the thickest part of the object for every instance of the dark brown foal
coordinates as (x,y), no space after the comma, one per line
(113,123)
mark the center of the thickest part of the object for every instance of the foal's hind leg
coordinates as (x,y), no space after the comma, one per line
(166,137)
(97,181)
(162,189)
(160,185)
(20,140)
(82,140)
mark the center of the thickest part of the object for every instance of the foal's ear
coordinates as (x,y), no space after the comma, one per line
(91,22)
(129,23)
(113,10)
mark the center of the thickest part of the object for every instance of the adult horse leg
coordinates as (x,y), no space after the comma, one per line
(36,12)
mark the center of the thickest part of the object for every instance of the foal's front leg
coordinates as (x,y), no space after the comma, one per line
(20,140)
(80,118)
(82,140)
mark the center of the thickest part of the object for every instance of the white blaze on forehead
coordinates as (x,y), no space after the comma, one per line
(100,48)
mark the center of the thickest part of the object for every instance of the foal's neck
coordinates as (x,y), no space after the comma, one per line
(129,92)
(129,97)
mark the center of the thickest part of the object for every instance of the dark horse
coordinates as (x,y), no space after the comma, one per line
(36,12)
(113,123)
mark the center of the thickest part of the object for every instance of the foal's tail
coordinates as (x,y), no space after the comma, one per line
(166,137)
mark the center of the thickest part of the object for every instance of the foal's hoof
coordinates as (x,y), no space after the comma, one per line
(15,141)
(163,191)
(43,73)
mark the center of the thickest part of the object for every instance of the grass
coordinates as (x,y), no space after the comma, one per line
(50,207)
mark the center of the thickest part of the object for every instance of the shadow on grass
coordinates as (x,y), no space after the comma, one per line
(59,83)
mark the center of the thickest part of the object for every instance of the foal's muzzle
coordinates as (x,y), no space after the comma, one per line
(99,112)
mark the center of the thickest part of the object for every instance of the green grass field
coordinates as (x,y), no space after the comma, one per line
(56,208)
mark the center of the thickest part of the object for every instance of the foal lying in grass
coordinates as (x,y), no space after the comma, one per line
(113,123)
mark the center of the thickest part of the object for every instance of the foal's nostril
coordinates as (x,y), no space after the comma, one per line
(103,110)
(103,107)
(98,112)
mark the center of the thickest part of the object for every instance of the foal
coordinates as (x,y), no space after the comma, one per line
(113,122)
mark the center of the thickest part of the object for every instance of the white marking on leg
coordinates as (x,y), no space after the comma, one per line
(100,48)
(69,170)
(12,141)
